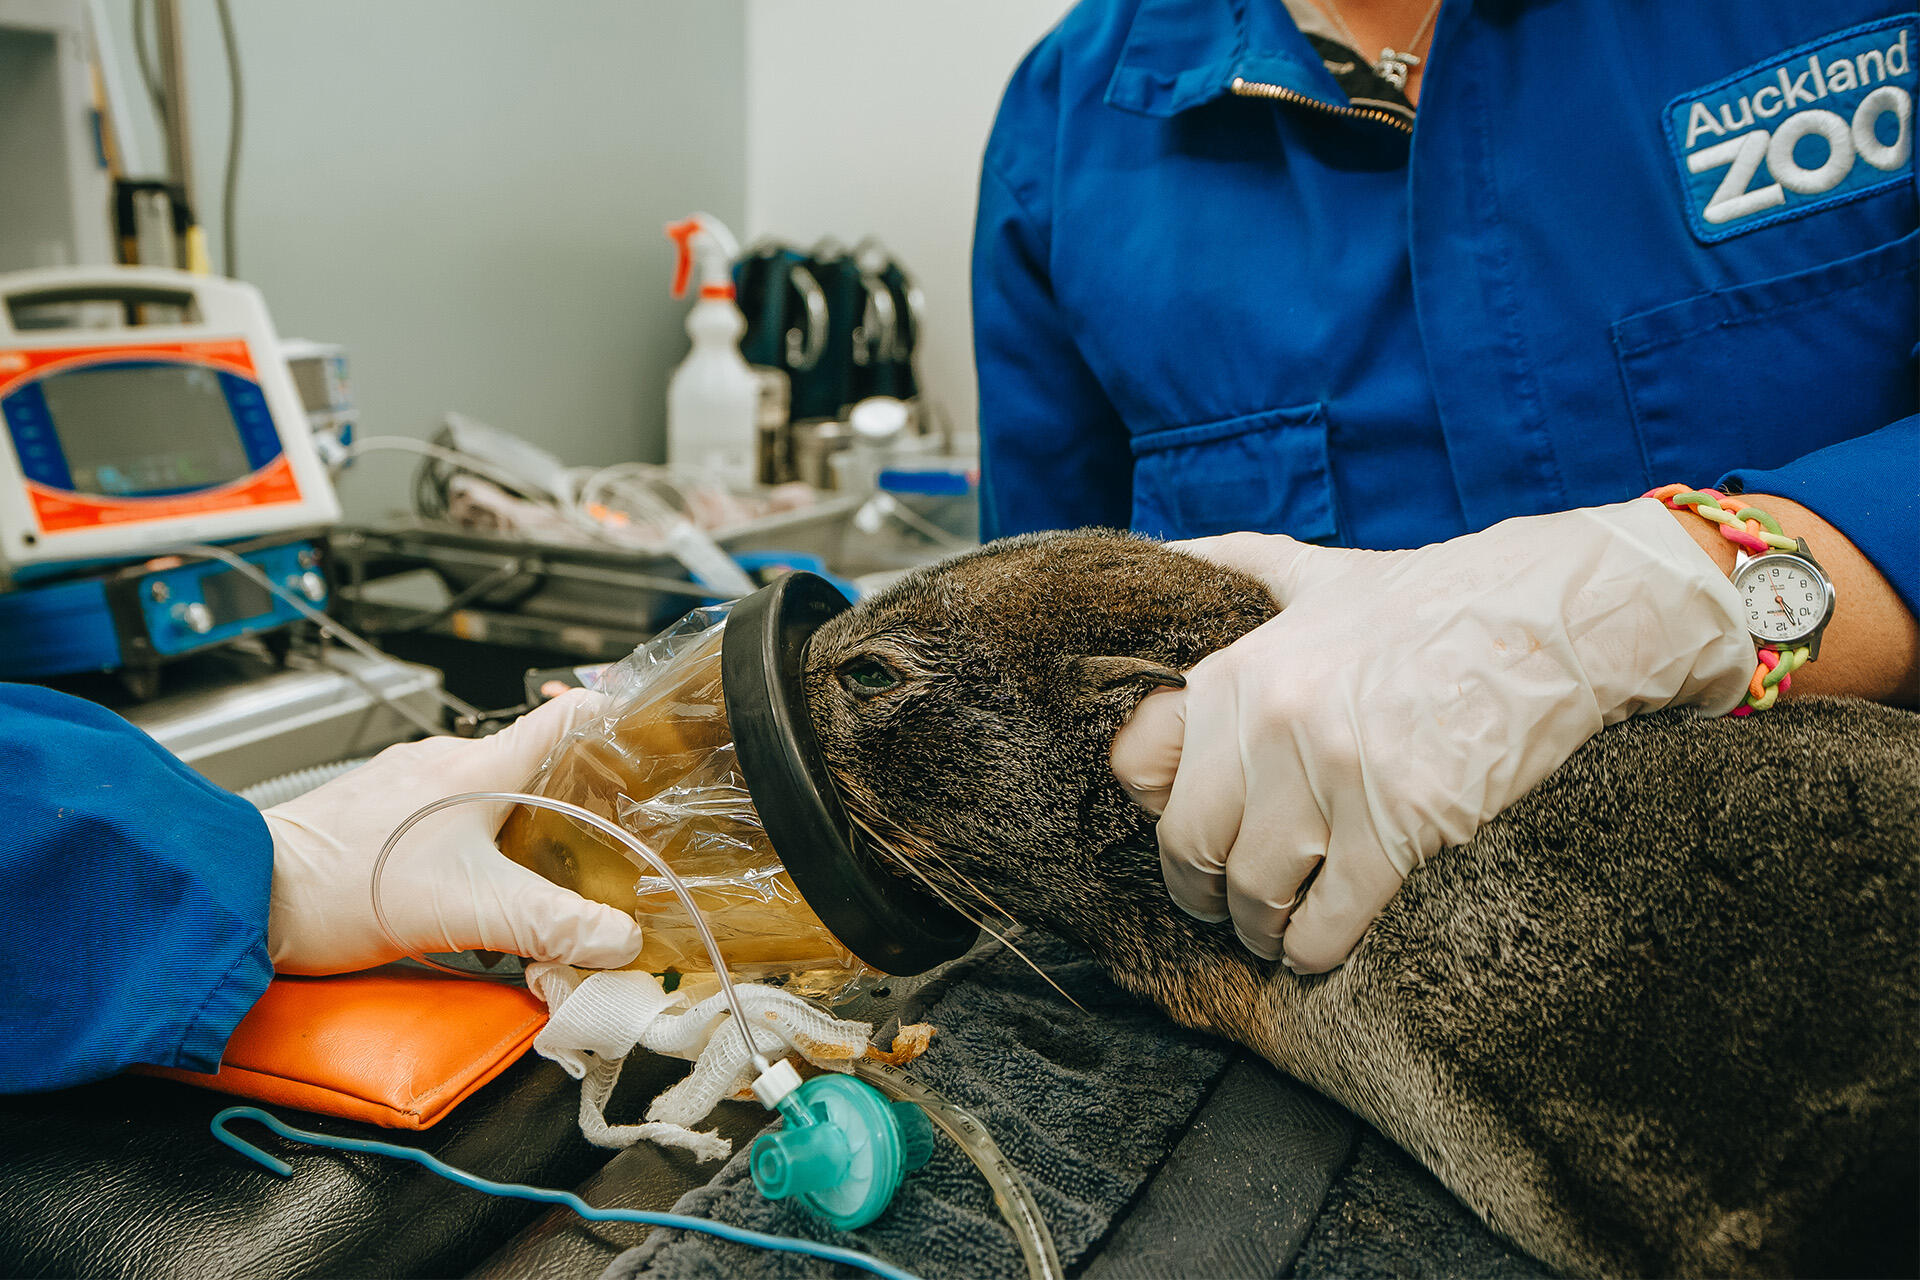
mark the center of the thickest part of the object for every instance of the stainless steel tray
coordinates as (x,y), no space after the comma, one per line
(238,720)
(626,591)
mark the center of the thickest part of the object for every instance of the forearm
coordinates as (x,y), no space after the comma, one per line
(1871,648)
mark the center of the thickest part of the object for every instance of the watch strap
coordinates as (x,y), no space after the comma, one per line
(1773,678)
(1757,533)
(1749,528)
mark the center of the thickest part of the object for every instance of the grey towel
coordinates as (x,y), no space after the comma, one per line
(1152,1150)
(1085,1104)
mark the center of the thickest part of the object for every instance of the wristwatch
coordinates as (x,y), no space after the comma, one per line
(1787,595)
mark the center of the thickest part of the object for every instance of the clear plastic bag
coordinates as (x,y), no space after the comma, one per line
(659,760)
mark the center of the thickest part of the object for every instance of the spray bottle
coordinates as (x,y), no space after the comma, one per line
(713,399)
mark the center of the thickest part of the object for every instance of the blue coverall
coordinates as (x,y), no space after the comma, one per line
(136,899)
(1222,282)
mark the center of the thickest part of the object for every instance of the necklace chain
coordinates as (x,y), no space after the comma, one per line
(1393,64)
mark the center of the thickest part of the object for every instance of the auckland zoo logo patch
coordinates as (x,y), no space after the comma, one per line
(1813,127)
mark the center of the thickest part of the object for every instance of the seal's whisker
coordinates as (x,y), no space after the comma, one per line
(947,898)
(979,893)
(896,836)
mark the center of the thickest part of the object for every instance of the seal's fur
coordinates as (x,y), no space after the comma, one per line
(1658,1018)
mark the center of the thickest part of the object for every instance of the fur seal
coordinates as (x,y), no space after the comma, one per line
(1659,1018)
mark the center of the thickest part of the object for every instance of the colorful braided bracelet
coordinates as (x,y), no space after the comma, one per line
(1757,533)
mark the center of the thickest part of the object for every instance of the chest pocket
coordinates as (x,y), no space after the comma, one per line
(1266,472)
(1758,375)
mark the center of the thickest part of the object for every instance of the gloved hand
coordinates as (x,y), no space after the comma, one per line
(446,887)
(1403,698)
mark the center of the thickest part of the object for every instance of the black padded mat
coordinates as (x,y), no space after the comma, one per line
(1240,1189)
(1387,1217)
(123,1178)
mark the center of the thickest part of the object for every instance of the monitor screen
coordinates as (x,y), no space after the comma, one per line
(142,429)
(232,596)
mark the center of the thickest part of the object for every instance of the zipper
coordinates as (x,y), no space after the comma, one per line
(1386,113)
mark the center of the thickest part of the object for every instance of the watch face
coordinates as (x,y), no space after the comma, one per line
(1785,598)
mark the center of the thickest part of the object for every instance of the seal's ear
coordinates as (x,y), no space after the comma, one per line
(1093,675)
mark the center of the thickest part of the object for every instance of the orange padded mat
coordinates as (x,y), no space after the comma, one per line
(392,1047)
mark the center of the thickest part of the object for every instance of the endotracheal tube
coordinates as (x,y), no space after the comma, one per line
(845,1148)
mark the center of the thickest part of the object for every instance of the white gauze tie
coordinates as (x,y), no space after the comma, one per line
(598,1018)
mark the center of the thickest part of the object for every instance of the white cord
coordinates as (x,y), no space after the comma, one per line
(459,706)
(393,704)
(885,504)
(587,494)
(440,453)
(705,560)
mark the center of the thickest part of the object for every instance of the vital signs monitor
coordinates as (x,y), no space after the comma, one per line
(175,421)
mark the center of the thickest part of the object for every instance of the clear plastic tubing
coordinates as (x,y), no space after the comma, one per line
(293,785)
(1010,1194)
(612,831)
(704,558)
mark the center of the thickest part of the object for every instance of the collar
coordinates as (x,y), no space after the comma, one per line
(1181,54)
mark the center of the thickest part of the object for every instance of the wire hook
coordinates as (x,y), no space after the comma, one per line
(247,1149)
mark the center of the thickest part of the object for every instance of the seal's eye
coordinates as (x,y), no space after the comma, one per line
(864,677)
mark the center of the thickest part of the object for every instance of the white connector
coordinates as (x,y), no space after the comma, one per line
(775,1083)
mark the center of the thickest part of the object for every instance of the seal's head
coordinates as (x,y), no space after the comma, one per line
(967,713)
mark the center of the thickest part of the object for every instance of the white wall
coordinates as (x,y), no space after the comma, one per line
(470,194)
(871,116)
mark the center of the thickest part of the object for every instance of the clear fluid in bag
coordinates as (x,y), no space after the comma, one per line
(658,759)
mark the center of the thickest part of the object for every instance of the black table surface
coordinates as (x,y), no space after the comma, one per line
(124,1178)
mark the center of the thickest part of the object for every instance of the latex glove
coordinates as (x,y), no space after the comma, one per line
(1403,698)
(447,887)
